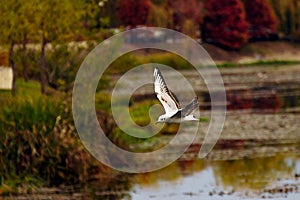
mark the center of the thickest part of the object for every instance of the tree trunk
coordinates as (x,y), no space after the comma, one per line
(42,66)
(295,2)
(12,64)
(24,58)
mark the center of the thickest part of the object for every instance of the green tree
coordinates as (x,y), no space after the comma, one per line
(158,16)
(287,12)
(10,30)
(91,18)
(288,29)
(161,14)
(296,5)
(55,21)
(26,23)
(108,12)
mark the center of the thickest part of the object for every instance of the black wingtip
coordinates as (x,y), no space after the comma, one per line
(196,99)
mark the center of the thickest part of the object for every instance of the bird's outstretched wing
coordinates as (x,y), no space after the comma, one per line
(164,95)
(190,107)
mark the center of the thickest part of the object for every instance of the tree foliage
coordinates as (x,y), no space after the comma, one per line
(288,14)
(187,12)
(225,23)
(55,20)
(262,19)
(14,25)
(95,12)
(158,16)
(133,12)
(44,20)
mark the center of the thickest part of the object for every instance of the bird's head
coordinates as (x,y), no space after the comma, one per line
(161,119)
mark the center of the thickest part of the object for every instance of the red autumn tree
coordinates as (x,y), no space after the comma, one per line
(225,23)
(133,12)
(261,18)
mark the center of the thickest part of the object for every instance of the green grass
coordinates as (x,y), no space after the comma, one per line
(168,59)
(131,60)
(30,88)
(273,62)
(260,63)
(24,89)
(140,112)
(102,101)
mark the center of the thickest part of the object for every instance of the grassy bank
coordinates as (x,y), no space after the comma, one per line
(263,63)
(131,60)
(38,142)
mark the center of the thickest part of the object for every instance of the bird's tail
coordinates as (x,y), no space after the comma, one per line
(190,107)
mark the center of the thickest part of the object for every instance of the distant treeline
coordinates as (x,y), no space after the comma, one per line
(226,23)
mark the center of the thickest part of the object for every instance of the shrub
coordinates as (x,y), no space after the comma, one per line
(124,63)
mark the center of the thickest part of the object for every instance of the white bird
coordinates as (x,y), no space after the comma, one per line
(173,112)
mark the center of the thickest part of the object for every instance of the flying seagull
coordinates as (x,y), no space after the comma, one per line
(174,113)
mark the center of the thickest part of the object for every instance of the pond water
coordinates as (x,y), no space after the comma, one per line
(274,176)
(267,175)
(258,155)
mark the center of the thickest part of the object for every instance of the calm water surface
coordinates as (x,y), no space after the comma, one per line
(275,177)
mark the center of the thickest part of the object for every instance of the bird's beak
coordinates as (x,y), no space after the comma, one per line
(156,122)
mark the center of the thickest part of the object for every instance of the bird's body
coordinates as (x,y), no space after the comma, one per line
(174,113)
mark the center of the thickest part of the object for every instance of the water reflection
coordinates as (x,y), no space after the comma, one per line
(268,97)
(253,174)
(228,179)
(171,173)
(271,176)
